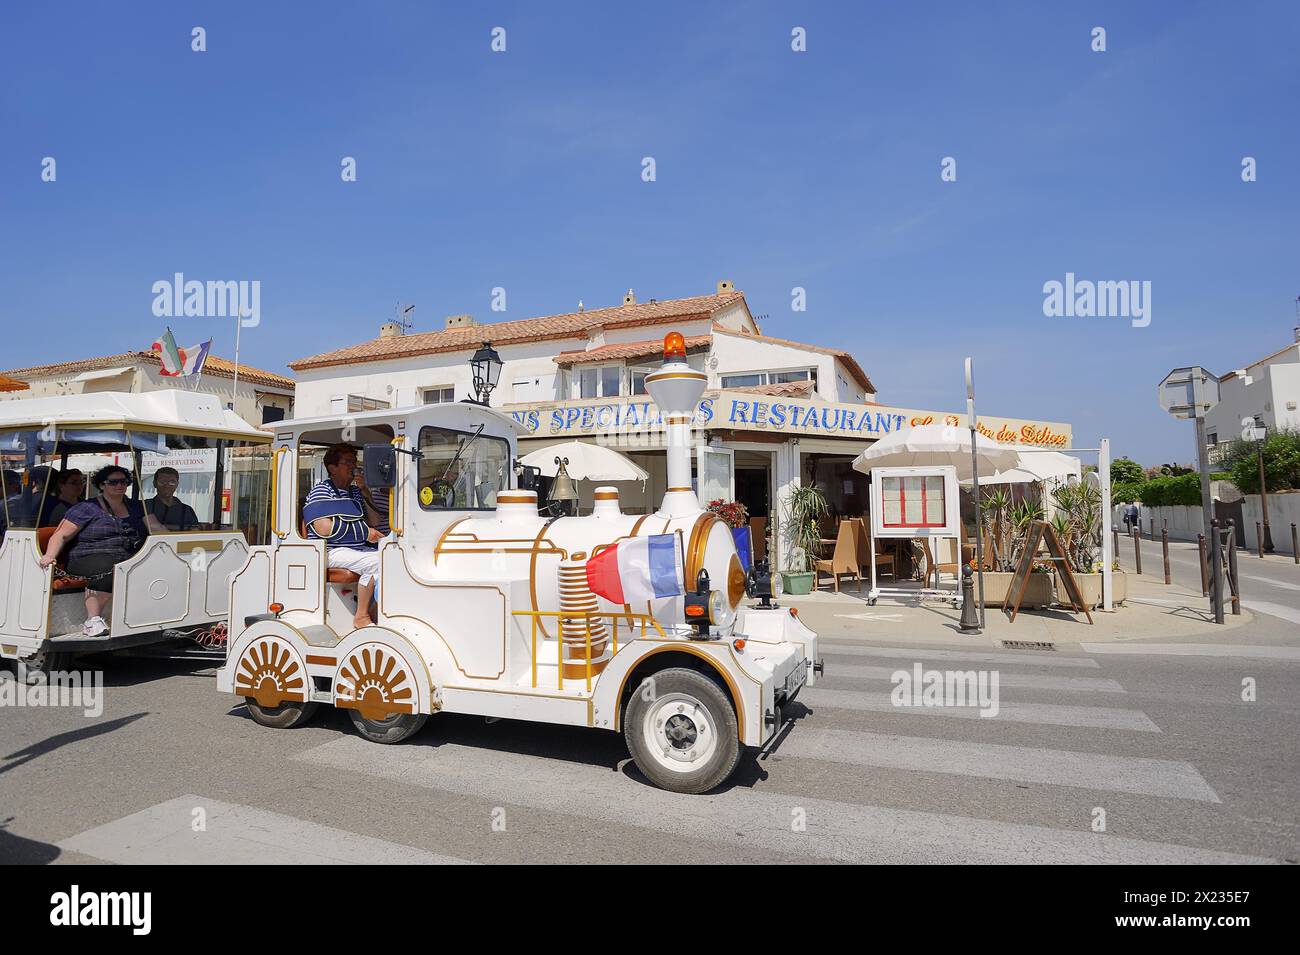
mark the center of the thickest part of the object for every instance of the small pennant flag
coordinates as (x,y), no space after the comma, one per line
(641,568)
(181,362)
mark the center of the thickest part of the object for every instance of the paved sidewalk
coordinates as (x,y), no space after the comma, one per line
(1153,612)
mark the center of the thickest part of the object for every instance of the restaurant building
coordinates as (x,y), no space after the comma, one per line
(777,413)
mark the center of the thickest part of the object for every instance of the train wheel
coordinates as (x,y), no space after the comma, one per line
(38,667)
(684,737)
(283,717)
(391,729)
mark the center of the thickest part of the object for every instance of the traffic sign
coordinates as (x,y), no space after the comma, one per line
(1189,392)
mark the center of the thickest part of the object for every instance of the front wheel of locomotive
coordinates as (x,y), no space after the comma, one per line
(683,733)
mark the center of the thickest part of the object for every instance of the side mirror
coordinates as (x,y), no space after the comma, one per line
(381,466)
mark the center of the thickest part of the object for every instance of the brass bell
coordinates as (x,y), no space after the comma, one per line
(562,488)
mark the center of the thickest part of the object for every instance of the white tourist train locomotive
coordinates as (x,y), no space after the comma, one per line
(485,606)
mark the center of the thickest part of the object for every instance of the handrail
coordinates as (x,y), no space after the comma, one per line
(392,495)
(614,616)
(275,497)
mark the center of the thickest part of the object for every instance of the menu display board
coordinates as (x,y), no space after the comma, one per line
(914,502)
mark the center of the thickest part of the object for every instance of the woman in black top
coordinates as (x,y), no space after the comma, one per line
(104,532)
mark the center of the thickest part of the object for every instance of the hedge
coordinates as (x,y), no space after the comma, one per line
(1171,491)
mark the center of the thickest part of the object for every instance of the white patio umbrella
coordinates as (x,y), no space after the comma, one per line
(587,462)
(928,445)
(1034,466)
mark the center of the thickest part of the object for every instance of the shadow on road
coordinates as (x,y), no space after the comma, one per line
(16,850)
(23,756)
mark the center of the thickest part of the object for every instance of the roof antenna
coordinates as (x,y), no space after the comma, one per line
(581,307)
(402,316)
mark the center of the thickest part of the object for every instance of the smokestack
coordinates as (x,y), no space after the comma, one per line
(676,389)
(391,330)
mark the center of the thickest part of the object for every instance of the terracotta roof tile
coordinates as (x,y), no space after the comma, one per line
(850,362)
(12,384)
(651,348)
(781,389)
(220,367)
(545,328)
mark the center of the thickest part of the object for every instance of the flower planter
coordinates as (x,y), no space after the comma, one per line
(1090,587)
(1038,593)
(797,584)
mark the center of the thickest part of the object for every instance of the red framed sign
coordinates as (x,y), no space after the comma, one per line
(914,502)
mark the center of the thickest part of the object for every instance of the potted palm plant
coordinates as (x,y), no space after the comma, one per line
(1078,524)
(1008,525)
(804,506)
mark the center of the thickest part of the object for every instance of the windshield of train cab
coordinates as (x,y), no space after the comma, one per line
(461,470)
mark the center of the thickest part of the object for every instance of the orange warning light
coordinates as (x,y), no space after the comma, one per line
(674,347)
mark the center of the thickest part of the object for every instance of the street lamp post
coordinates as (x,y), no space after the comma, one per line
(486,366)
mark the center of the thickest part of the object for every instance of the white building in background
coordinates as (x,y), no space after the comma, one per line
(776,412)
(263,396)
(1266,396)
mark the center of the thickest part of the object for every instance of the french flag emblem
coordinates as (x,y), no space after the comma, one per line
(642,568)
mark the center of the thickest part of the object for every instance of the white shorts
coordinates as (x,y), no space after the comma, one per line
(363,563)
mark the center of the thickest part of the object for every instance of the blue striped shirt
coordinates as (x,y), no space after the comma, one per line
(347,508)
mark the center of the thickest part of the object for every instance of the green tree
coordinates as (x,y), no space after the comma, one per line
(1125,470)
(1281,462)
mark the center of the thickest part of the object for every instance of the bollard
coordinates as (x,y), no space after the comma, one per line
(1295,551)
(1216,571)
(1205,570)
(1164,546)
(1259,538)
(970,618)
(1151,528)
(1234,581)
(1137,551)
(1114,544)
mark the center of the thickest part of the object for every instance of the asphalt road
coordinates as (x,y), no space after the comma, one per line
(1183,769)
(1270,585)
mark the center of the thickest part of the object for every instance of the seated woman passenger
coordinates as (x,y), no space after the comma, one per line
(340,511)
(69,487)
(171,513)
(104,531)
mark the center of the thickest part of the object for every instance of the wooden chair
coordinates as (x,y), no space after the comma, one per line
(935,566)
(844,560)
(884,562)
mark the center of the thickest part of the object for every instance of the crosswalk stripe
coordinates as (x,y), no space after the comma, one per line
(1026,764)
(833,648)
(1264,652)
(1027,680)
(738,816)
(1100,717)
(236,835)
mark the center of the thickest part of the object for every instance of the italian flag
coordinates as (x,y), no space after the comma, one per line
(180,362)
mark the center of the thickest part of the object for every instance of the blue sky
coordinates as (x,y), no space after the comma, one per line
(774,168)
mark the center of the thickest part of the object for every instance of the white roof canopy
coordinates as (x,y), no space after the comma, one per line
(170,411)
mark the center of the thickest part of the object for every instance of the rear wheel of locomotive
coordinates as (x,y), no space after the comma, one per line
(283,717)
(685,737)
(391,729)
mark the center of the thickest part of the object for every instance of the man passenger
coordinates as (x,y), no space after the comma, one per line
(341,512)
(173,514)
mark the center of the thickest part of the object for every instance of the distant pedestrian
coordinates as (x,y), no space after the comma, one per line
(1131,518)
